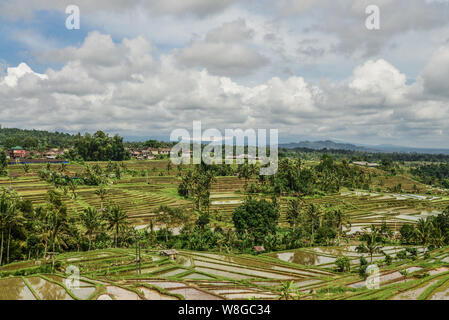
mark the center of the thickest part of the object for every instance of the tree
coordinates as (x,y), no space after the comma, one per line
(294,211)
(424,228)
(373,243)
(343,264)
(170,217)
(92,220)
(101,192)
(117,220)
(100,147)
(7,210)
(56,218)
(169,166)
(3,163)
(203,220)
(255,218)
(312,217)
(342,219)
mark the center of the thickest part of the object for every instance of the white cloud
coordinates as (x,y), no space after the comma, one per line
(435,73)
(132,92)
(224,51)
(22,70)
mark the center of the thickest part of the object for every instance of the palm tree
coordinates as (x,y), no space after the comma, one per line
(92,220)
(5,208)
(9,217)
(169,166)
(313,218)
(102,193)
(55,219)
(72,186)
(293,211)
(424,230)
(14,219)
(373,243)
(57,222)
(117,220)
(342,220)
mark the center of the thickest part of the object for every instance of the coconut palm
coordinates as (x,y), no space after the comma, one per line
(313,216)
(102,193)
(92,220)
(14,219)
(342,220)
(424,230)
(117,220)
(373,243)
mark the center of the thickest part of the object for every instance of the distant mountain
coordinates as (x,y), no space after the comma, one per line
(328,144)
(387,148)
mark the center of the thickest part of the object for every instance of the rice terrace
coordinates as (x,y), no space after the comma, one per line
(149,230)
(224,158)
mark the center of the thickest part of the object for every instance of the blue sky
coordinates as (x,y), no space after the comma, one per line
(308,68)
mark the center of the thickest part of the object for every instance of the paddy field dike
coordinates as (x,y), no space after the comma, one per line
(110,274)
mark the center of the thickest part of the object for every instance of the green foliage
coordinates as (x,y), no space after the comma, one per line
(10,137)
(343,264)
(100,147)
(3,163)
(362,267)
(255,218)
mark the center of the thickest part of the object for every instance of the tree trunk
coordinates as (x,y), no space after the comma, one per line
(116,236)
(9,241)
(1,250)
(45,249)
(166,233)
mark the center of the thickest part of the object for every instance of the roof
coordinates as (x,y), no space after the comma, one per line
(168,252)
(258,248)
(17,148)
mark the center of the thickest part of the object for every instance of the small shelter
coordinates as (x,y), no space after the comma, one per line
(259,249)
(172,253)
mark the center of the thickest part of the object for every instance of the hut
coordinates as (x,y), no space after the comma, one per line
(172,253)
(258,249)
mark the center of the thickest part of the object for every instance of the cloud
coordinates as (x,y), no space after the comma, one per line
(346,20)
(21,71)
(132,92)
(224,51)
(19,9)
(435,73)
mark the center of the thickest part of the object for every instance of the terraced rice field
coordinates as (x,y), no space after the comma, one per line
(111,274)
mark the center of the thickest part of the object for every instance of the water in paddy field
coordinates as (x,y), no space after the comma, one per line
(15,289)
(304,258)
(47,290)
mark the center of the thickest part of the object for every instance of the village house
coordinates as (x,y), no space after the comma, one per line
(154,151)
(365,164)
(53,153)
(19,153)
(164,151)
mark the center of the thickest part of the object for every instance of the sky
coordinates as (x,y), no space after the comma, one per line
(309,68)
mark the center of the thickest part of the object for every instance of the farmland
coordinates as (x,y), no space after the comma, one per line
(308,272)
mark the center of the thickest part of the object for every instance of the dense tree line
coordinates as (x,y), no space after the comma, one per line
(98,147)
(326,177)
(350,155)
(28,232)
(34,139)
(433,174)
